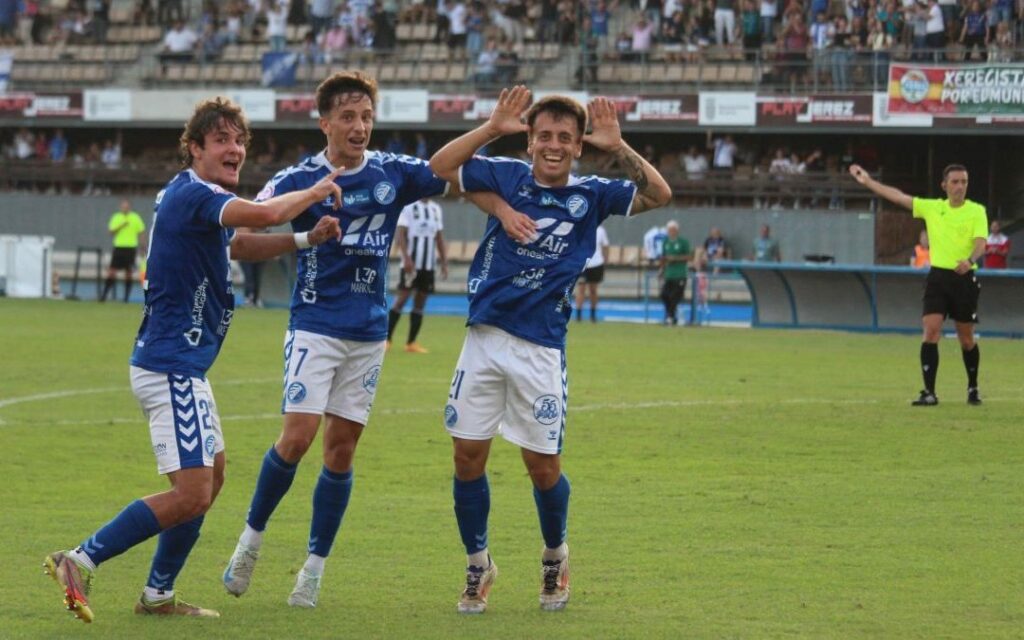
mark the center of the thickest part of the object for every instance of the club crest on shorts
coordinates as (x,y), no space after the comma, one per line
(451,416)
(370,379)
(296,392)
(385,192)
(210,444)
(546,409)
(577,206)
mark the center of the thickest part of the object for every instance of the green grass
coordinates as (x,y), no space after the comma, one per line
(726,484)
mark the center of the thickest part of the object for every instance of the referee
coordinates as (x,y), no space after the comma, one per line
(126,227)
(421,246)
(957,231)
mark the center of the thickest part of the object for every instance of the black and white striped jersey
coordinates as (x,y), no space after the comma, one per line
(422,219)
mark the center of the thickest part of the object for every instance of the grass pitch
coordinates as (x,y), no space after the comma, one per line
(726,484)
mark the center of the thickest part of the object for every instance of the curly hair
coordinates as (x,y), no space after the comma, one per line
(341,83)
(208,115)
(559,107)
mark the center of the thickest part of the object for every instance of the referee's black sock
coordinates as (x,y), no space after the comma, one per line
(972,359)
(415,322)
(393,317)
(107,286)
(929,364)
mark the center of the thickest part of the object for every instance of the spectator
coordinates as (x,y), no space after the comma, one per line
(880,43)
(23,144)
(769,12)
(935,29)
(624,46)
(654,242)
(716,245)
(750,21)
(211,43)
(457,30)
(842,54)
(1001,49)
(795,43)
(694,163)
(165,9)
(673,30)
(922,257)
(100,20)
(547,21)
(974,33)
(321,15)
(779,170)
(385,39)
(674,256)
(725,21)
(277,24)
(443,23)
(335,43)
(395,144)
(309,52)
(178,43)
(507,65)
(766,249)
(515,12)
(723,156)
(997,248)
(643,38)
(1003,10)
(821,42)
(487,64)
(917,20)
(58,148)
(111,155)
(566,24)
(475,25)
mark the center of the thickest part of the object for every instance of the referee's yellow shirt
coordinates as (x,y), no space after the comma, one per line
(128,236)
(951,232)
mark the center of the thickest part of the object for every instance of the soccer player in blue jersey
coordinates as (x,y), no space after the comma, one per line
(335,343)
(189,307)
(511,375)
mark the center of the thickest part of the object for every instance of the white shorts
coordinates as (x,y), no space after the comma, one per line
(330,375)
(509,386)
(183,421)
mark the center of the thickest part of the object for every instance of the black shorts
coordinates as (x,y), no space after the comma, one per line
(951,294)
(123,258)
(594,275)
(422,281)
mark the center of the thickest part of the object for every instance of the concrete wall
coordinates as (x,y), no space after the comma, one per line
(849,236)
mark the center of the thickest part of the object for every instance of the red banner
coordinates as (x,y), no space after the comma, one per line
(818,111)
(66,104)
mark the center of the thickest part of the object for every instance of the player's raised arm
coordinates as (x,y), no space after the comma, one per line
(507,118)
(255,247)
(281,209)
(652,191)
(892,194)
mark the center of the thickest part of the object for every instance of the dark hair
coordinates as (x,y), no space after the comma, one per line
(339,84)
(559,107)
(208,115)
(950,168)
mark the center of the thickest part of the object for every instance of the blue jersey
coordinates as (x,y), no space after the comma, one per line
(340,287)
(526,290)
(189,302)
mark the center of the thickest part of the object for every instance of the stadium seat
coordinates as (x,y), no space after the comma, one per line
(457,72)
(388,72)
(237,73)
(404,32)
(727,73)
(432,51)
(404,73)
(222,72)
(709,73)
(455,250)
(469,250)
(691,72)
(606,72)
(746,73)
(636,73)
(673,72)
(614,254)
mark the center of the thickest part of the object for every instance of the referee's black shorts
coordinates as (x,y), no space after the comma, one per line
(952,295)
(594,275)
(123,258)
(422,281)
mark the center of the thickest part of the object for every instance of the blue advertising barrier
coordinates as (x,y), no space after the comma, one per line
(868,297)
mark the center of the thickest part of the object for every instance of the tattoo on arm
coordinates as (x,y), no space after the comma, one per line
(634,166)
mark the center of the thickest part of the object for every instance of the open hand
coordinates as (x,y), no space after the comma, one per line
(326,228)
(507,117)
(604,122)
(519,226)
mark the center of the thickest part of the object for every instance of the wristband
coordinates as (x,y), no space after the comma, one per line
(302,240)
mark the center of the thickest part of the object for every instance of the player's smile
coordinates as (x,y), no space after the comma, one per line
(553,146)
(221,157)
(348,127)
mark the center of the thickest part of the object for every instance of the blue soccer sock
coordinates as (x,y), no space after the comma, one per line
(472,506)
(134,524)
(330,499)
(171,552)
(553,509)
(275,479)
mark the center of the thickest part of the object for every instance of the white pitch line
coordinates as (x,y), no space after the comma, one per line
(582,408)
